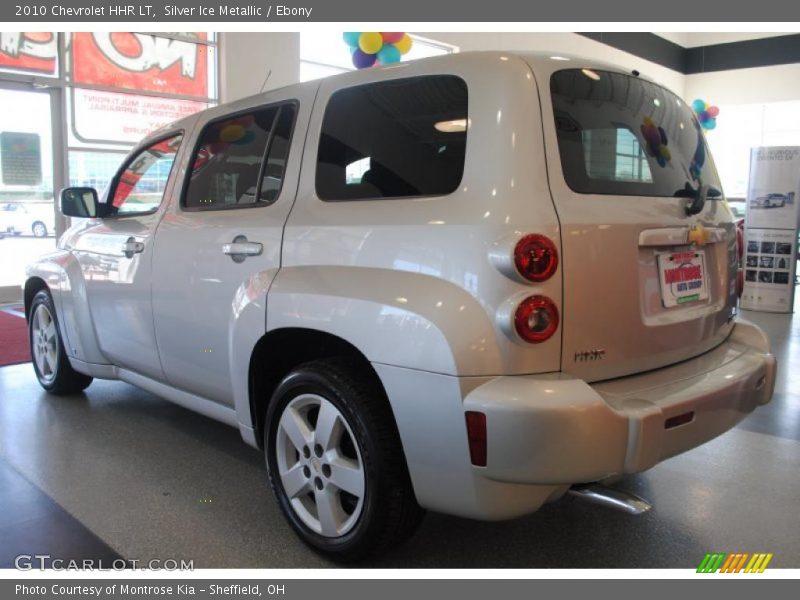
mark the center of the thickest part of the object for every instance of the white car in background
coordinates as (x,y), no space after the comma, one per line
(36,219)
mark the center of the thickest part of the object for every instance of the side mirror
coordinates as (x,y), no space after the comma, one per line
(81,202)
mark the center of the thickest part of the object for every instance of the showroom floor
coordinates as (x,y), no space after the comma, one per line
(120,472)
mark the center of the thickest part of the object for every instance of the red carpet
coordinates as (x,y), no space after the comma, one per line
(13,339)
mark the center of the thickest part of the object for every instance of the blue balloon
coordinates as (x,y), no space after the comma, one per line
(351,38)
(711,123)
(248,137)
(698,106)
(388,54)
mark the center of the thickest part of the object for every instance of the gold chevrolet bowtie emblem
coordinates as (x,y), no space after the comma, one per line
(698,235)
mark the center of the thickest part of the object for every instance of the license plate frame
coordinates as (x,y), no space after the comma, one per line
(682,277)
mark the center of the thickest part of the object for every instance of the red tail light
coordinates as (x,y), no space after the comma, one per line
(536,319)
(476,434)
(536,257)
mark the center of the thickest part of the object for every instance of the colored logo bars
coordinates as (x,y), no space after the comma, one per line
(734,563)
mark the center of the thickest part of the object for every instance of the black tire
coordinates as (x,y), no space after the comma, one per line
(64,379)
(390,513)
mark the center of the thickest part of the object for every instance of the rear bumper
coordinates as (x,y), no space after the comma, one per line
(556,430)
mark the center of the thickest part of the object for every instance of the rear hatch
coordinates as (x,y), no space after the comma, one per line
(646,283)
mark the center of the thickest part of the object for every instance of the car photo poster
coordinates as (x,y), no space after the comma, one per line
(772,220)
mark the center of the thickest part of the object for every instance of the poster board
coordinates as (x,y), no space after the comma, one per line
(20,158)
(772,217)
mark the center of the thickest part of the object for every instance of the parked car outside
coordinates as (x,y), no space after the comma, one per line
(435,286)
(20,218)
(773,200)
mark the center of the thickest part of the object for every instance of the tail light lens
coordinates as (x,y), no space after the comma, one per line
(476,434)
(536,257)
(536,319)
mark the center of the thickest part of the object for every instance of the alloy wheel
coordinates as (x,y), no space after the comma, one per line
(320,465)
(44,343)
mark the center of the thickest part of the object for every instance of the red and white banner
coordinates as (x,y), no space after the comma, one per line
(138,61)
(125,117)
(30,52)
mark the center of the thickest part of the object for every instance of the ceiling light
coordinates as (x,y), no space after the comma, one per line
(453,126)
(558,58)
(591,74)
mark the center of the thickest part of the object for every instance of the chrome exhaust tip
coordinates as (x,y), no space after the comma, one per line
(611,497)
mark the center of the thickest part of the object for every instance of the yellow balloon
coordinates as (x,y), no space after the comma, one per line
(232,133)
(370,42)
(404,45)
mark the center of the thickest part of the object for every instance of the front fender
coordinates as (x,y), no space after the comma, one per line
(62,274)
(393,317)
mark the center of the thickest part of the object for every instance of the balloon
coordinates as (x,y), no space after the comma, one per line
(388,54)
(713,111)
(404,45)
(248,137)
(698,106)
(710,124)
(391,37)
(656,139)
(703,116)
(370,42)
(362,60)
(351,38)
(232,133)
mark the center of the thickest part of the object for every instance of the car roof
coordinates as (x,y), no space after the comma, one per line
(543,64)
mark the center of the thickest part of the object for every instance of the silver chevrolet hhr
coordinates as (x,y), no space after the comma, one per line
(464,284)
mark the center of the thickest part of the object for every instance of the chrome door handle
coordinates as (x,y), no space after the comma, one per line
(131,247)
(239,249)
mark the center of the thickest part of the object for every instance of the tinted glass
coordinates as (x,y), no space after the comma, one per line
(618,134)
(275,166)
(141,185)
(227,163)
(391,139)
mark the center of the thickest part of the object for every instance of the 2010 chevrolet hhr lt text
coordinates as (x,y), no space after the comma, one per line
(464,284)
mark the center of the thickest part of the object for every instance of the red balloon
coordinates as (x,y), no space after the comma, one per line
(391,37)
(712,111)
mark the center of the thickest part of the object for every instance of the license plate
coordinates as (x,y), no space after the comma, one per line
(683,277)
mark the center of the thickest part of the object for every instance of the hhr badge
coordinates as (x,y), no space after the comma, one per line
(590,355)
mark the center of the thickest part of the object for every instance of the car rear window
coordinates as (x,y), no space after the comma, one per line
(618,134)
(392,139)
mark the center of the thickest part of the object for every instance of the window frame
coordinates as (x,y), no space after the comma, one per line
(132,156)
(390,198)
(295,103)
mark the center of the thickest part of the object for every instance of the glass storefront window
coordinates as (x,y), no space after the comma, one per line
(27,219)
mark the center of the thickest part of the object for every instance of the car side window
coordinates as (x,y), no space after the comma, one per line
(240,161)
(140,187)
(394,139)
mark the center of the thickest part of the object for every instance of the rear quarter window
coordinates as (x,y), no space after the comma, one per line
(393,139)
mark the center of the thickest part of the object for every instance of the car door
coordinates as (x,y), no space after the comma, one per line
(219,246)
(115,255)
